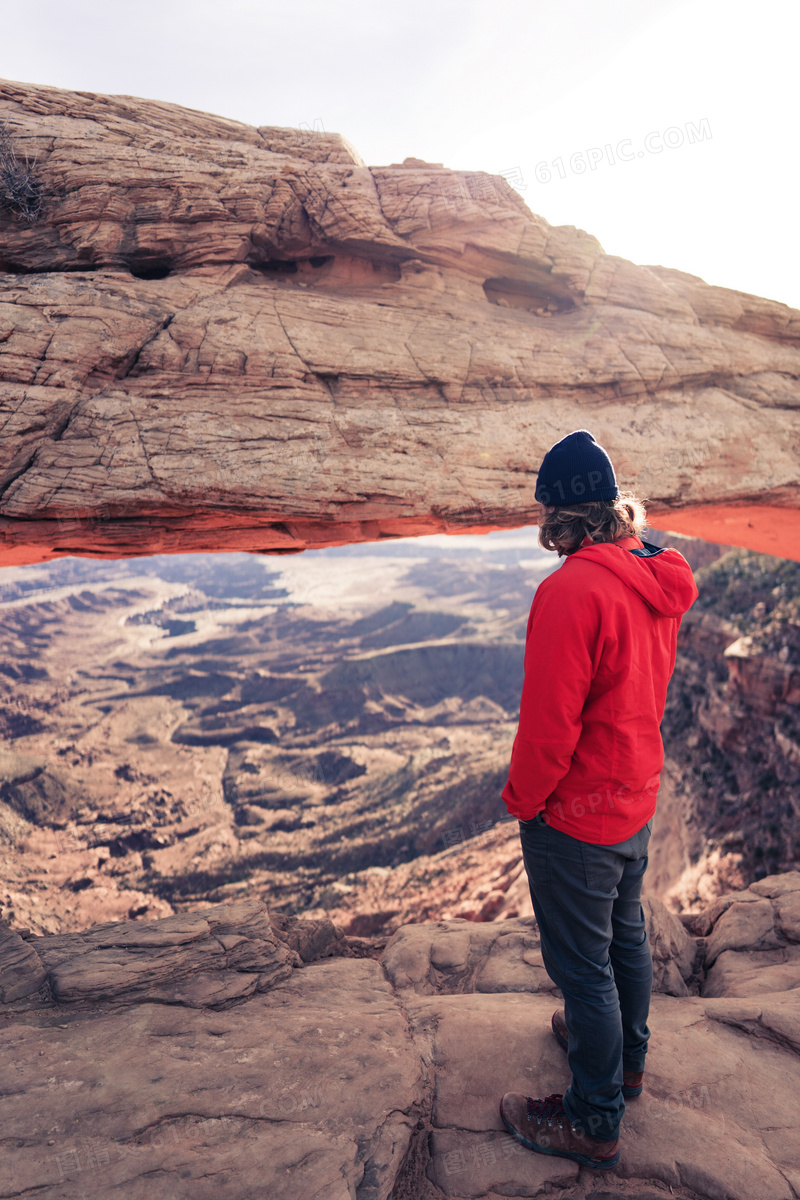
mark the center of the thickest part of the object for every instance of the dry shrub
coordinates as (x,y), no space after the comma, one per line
(20,191)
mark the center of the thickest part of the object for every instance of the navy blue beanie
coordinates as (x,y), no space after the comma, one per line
(576,471)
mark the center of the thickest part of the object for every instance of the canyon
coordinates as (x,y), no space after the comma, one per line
(189,727)
(332,732)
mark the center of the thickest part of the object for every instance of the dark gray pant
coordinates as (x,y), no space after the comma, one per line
(587,902)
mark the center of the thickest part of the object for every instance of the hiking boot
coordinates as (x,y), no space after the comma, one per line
(631,1080)
(542,1125)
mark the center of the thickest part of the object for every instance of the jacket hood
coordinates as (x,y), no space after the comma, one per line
(660,576)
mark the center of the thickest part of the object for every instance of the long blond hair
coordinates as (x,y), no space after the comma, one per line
(564,527)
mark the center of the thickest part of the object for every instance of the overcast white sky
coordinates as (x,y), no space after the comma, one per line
(493,85)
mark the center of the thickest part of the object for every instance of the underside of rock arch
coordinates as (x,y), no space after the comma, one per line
(216,337)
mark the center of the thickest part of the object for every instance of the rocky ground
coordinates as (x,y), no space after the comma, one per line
(223,1054)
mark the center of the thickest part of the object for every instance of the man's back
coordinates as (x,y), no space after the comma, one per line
(600,649)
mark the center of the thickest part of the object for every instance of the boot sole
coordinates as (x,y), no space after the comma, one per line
(584,1159)
(629,1093)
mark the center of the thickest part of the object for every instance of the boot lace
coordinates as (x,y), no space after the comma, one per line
(548,1110)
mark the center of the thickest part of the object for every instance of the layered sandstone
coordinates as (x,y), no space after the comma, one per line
(220,1055)
(217,336)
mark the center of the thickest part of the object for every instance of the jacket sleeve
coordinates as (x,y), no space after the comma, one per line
(561,650)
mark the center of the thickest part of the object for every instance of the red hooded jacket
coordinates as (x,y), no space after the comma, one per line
(599,652)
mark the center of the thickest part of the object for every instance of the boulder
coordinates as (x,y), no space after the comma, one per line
(21,970)
(198,960)
(751,947)
(776,885)
(310,939)
(465,956)
(753,972)
(675,954)
(788,915)
(743,926)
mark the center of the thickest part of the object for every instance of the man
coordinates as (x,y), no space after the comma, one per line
(584,773)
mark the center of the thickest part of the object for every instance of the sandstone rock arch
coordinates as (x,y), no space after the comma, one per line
(218,337)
